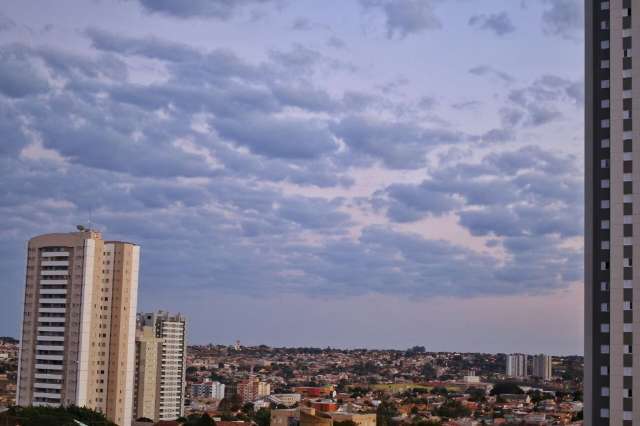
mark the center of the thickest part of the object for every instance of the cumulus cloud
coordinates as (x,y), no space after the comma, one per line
(482,70)
(217,9)
(19,76)
(223,158)
(498,23)
(563,18)
(405,17)
(399,145)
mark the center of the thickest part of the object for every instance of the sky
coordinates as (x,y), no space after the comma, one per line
(344,173)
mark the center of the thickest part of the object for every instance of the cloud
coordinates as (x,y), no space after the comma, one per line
(19,76)
(405,17)
(399,145)
(216,9)
(483,70)
(499,23)
(563,18)
(336,42)
(540,102)
(281,138)
(6,23)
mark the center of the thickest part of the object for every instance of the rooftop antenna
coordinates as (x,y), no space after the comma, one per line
(90,212)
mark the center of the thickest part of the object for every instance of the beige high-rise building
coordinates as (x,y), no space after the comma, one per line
(146,386)
(78,328)
(161,350)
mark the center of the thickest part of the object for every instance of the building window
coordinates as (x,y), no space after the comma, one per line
(628,327)
(604,64)
(604,328)
(627,393)
(604,413)
(604,245)
(604,224)
(604,183)
(604,286)
(628,284)
(627,305)
(627,415)
(604,143)
(627,371)
(604,370)
(604,204)
(604,84)
(605,123)
(604,44)
(604,391)
(604,307)
(627,349)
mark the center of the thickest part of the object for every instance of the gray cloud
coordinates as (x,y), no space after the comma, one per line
(398,145)
(405,17)
(217,9)
(563,18)
(282,138)
(499,23)
(19,76)
(483,70)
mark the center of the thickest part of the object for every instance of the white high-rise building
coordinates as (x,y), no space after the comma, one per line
(161,366)
(542,366)
(516,366)
(78,331)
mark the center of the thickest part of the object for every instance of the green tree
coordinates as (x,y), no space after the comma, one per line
(428,371)
(52,416)
(263,417)
(506,387)
(385,412)
(476,394)
(453,409)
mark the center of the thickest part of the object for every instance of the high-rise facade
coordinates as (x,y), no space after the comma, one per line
(161,350)
(612,159)
(542,367)
(516,365)
(78,324)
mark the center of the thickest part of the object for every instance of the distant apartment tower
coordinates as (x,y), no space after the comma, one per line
(516,366)
(542,366)
(78,324)
(612,219)
(252,389)
(208,389)
(161,350)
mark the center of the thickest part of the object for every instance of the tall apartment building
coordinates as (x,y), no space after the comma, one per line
(252,389)
(612,159)
(516,365)
(542,366)
(79,323)
(208,389)
(161,351)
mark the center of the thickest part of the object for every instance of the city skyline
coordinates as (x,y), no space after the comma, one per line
(400,173)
